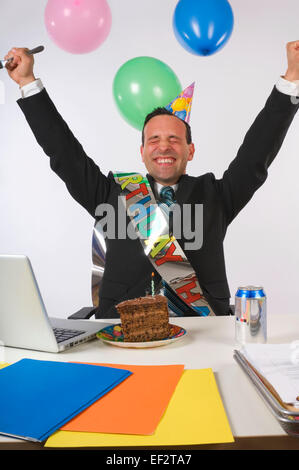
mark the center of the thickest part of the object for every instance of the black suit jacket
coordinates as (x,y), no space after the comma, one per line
(127,269)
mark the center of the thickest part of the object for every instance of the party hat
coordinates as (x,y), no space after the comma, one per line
(181,105)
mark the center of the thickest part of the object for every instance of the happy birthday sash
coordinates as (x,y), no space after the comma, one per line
(181,286)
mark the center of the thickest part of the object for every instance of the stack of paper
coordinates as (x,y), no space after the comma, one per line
(111,405)
(277,366)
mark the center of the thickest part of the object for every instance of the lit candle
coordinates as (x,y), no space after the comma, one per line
(153,284)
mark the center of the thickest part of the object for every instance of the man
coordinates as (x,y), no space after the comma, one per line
(165,152)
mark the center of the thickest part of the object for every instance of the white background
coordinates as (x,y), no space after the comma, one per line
(38,216)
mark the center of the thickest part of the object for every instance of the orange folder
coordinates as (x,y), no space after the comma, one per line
(134,407)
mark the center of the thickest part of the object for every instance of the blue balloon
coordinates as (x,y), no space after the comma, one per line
(203,27)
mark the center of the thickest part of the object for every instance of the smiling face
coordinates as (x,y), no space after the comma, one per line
(166,152)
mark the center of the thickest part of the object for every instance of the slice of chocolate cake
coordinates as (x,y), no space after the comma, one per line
(144,318)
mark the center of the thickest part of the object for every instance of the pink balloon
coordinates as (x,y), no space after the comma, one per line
(78,26)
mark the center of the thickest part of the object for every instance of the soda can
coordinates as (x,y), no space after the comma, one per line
(250,315)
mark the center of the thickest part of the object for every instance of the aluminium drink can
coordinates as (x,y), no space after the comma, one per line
(250,315)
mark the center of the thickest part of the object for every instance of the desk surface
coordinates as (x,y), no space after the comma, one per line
(209,343)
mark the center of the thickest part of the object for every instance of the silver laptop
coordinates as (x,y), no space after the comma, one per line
(24,322)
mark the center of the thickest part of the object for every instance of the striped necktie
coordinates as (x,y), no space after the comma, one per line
(167,195)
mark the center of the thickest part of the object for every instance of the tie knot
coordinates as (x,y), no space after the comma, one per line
(167,195)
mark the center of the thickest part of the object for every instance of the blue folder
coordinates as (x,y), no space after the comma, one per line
(38,397)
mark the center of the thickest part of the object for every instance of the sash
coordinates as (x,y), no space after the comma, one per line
(181,286)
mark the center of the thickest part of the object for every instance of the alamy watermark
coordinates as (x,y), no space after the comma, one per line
(185,222)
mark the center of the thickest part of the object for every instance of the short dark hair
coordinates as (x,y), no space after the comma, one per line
(160,112)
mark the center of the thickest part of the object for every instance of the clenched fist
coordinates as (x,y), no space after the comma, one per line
(20,69)
(292,73)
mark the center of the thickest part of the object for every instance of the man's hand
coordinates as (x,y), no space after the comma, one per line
(20,69)
(292,73)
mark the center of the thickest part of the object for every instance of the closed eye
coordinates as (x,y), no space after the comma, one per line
(153,139)
(174,138)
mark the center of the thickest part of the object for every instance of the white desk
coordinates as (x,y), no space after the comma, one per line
(209,344)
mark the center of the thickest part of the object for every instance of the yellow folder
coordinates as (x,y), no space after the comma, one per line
(195,415)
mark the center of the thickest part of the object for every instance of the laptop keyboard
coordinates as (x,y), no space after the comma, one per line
(61,334)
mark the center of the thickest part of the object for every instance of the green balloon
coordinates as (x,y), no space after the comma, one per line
(142,84)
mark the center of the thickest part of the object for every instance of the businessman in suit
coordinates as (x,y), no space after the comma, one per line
(165,151)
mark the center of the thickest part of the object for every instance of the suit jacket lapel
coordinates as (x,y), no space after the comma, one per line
(183,191)
(152,183)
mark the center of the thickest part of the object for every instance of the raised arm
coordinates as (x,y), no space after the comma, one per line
(248,171)
(83,178)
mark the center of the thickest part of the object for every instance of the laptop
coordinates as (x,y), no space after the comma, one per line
(24,322)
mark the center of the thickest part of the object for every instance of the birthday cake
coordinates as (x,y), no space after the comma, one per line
(144,318)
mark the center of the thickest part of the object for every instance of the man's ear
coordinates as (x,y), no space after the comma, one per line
(141,151)
(191,151)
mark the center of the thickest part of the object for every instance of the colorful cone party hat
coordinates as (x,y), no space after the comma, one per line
(181,105)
